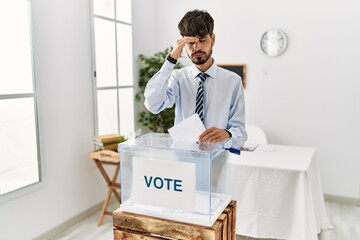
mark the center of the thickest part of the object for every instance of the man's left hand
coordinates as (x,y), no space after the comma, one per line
(214,134)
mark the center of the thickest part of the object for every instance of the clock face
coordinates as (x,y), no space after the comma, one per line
(273,42)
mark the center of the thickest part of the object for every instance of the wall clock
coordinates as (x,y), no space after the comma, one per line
(273,42)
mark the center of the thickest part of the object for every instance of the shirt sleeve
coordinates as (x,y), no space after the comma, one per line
(236,123)
(161,89)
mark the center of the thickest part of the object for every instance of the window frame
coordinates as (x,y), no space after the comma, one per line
(118,87)
(33,95)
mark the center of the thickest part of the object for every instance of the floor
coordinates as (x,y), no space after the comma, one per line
(88,230)
(345,219)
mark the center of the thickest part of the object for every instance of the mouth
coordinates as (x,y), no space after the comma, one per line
(198,54)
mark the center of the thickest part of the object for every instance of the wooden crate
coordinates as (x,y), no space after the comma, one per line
(134,226)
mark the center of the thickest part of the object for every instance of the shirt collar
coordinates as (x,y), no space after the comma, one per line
(211,71)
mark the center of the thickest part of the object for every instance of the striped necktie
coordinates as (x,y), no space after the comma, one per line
(199,109)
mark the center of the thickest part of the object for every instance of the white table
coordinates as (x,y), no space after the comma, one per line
(278,192)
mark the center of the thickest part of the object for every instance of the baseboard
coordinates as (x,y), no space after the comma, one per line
(72,221)
(343,200)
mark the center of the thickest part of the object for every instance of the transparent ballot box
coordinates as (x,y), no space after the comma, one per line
(186,182)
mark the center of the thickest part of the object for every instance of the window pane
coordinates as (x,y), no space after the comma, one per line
(123,10)
(18,152)
(15,48)
(107,111)
(114,67)
(104,8)
(125,55)
(105,52)
(126,111)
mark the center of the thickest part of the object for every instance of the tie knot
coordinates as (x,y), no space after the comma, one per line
(202,76)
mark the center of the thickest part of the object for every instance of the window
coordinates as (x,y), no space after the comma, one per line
(19,145)
(113,67)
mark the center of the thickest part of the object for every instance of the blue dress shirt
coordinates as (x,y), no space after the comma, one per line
(224,103)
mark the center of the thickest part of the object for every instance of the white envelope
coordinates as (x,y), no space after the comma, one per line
(188,130)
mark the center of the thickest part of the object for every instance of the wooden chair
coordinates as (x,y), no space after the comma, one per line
(102,158)
(256,135)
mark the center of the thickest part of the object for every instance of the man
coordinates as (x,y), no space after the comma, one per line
(217,96)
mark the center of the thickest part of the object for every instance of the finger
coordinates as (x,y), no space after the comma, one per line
(181,41)
(177,49)
(209,136)
(222,135)
(217,135)
(218,138)
(206,132)
(215,138)
(191,39)
(203,133)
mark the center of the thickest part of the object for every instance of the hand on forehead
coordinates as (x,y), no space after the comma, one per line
(191,38)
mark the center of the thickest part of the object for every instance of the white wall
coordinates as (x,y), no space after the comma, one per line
(310,95)
(64,83)
(143,38)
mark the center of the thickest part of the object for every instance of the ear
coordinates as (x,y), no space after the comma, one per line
(212,39)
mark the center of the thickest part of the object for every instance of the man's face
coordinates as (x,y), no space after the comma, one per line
(200,50)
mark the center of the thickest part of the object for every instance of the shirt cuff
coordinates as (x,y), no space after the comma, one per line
(167,68)
(230,135)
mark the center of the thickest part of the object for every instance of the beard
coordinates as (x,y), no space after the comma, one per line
(200,60)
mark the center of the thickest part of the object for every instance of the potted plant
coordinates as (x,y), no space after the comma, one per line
(164,120)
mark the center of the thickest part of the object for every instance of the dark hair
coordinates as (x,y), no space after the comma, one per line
(196,23)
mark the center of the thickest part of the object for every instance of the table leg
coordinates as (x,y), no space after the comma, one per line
(106,204)
(112,185)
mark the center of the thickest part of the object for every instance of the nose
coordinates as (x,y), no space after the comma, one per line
(196,46)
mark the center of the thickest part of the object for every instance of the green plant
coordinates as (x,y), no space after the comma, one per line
(164,120)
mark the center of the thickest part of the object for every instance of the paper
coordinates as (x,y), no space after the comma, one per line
(188,130)
(249,147)
(157,181)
